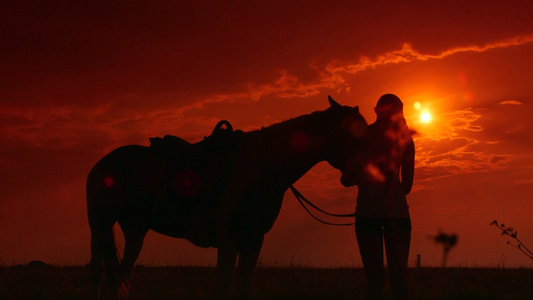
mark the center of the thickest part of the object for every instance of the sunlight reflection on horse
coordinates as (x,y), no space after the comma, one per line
(224,192)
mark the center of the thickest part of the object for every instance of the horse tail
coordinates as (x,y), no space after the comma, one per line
(104,260)
(105,263)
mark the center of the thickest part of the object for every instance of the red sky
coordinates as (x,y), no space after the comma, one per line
(77,80)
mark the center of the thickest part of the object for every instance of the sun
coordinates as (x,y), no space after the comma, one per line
(425,117)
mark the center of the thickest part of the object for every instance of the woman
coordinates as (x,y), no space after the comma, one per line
(382,213)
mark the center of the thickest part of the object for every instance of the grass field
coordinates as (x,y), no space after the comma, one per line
(23,282)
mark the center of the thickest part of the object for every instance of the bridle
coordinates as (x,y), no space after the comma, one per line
(302,199)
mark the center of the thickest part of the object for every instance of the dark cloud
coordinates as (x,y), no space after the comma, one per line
(497,158)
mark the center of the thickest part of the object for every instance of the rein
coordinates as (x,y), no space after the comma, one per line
(302,199)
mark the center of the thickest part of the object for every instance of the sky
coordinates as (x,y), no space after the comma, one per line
(80,79)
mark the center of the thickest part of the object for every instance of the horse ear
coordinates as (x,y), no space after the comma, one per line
(357,108)
(333,103)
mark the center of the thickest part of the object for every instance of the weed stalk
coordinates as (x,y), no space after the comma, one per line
(510,231)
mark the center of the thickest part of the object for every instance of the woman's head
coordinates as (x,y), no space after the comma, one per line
(388,105)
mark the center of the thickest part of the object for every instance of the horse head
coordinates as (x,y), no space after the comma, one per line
(345,128)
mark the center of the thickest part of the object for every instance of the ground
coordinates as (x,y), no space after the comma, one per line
(47,282)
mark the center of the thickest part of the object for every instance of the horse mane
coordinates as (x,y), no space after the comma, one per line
(296,123)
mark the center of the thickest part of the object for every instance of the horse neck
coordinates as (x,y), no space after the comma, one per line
(277,152)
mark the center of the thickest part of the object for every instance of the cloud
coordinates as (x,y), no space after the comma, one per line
(528,181)
(456,147)
(514,41)
(510,102)
(497,158)
(470,140)
(332,76)
(408,54)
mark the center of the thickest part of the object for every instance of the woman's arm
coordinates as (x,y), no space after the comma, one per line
(408,167)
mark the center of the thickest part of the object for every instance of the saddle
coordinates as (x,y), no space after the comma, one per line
(220,138)
(180,171)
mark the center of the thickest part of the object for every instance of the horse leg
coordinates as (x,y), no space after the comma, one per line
(248,256)
(104,257)
(96,267)
(103,249)
(134,239)
(227,249)
(226,258)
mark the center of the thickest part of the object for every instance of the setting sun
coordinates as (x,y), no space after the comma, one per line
(425,117)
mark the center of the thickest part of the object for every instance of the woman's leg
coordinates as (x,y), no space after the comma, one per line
(397,242)
(369,234)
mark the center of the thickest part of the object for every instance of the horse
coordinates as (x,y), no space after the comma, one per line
(224,192)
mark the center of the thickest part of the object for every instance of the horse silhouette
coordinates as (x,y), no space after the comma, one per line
(225,192)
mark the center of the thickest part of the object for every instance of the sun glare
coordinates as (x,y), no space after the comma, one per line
(425,117)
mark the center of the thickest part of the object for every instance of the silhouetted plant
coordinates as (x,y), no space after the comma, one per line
(448,241)
(511,232)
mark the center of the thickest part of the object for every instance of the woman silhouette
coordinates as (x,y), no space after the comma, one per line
(382,213)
